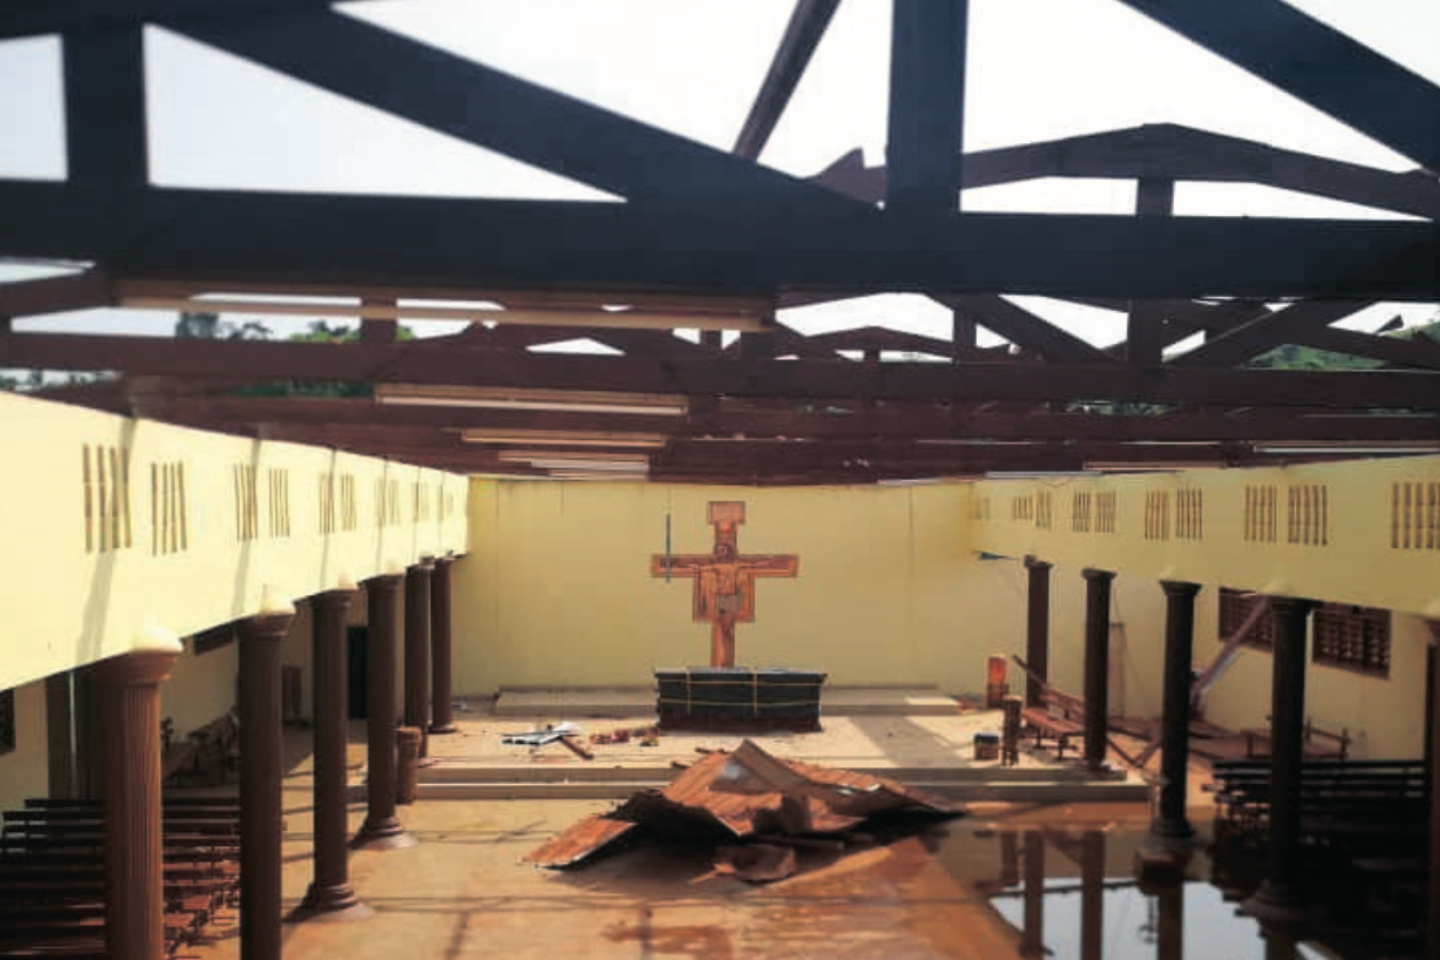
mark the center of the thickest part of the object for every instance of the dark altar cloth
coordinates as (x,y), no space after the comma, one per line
(739,699)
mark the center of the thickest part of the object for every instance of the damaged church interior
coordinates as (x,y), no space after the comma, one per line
(841,478)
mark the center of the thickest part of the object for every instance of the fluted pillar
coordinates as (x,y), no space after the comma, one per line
(1171,821)
(262,760)
(1280,897)
(330,894)
(381,829)
(1037,629)
(441,694)
(1097,664)
(130,784)
(417,649)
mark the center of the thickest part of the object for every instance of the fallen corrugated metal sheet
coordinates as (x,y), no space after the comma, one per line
(745,795)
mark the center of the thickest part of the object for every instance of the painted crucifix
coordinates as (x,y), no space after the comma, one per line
(724,579)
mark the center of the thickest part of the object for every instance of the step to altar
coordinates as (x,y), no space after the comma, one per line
(570,703)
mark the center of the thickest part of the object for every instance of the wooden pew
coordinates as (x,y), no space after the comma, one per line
(1060,717)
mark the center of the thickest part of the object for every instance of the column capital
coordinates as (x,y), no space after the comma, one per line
(1179,588)
(1092,574)
(138,668)
(265,626)
(425,564)
(1033,562)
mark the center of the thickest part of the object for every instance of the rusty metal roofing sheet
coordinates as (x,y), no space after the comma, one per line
(583,839)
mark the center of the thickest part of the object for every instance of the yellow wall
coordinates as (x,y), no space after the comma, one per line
(200,688)
(80,579)
(25,771)
(557,590)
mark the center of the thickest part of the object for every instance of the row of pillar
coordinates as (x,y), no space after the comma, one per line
(1280,892)
(125,697)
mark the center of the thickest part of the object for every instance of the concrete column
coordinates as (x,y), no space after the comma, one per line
(417,649)
(1171,822)
(130,782)
(59,737)
(1037,629)
(381,829)
(262,760)
(441,694)
(1032,932)
(330,894)
(1432,726)
(1279,897)
(1097,664)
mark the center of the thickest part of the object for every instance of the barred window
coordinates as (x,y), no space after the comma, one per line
(1235,608)
(7,721)
(1352,638)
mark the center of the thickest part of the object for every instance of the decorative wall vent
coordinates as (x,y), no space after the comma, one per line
(387,502)
(247,503)
(1235,608)
(1044,516)
(169,519)
(1105,512)
(1352,638)
(327,503)
(979,507)
(1415,515)
(1080,504)
(1308,517)
(279,484)
(1157,515)
(1022,508)
(106,476)
(421,502)
(1260,514)
(349,515)
(1189,515)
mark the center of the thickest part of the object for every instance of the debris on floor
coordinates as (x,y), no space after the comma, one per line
(754,808)
(538,738)
(648,736)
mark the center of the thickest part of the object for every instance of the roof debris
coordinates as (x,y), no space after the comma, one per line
(756,808)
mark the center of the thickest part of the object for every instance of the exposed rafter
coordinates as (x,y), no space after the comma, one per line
(807,25)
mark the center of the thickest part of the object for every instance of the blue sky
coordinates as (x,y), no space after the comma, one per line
(1039,69)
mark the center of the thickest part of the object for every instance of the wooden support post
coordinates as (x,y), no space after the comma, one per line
(927,106)
(1097,664)
(417,649)
(1171,821)
(261,766)
(1280,897)
(129,688)
(441,694)
(1037,631)
(330,891)
(1010,738)
(381,829)
(105,131)
(1144,335)
(1170,921)
(1092,895)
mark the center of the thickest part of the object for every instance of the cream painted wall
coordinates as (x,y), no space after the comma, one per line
(24,772)
(557,590)
(200,688)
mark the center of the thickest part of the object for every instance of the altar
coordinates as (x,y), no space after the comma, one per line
(738,699)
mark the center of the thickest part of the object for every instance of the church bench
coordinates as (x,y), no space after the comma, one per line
(1366,803)
(1317,744)
(1059,717)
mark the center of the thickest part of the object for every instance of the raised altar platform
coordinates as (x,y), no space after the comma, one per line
(571,703)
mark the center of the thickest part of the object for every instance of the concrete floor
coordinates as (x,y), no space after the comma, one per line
(460,892)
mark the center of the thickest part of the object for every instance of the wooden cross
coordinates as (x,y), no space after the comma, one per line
(724,579)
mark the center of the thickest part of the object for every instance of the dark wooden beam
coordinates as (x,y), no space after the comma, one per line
(19,18)
(1169,152)
(332,239)
(498,111)
(1144,334)
(74,291)
(1419,351)
(1316,63)
(807,25)
(419,362)
(927,104)
(1025,329)
(1281,327)
(105,134)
